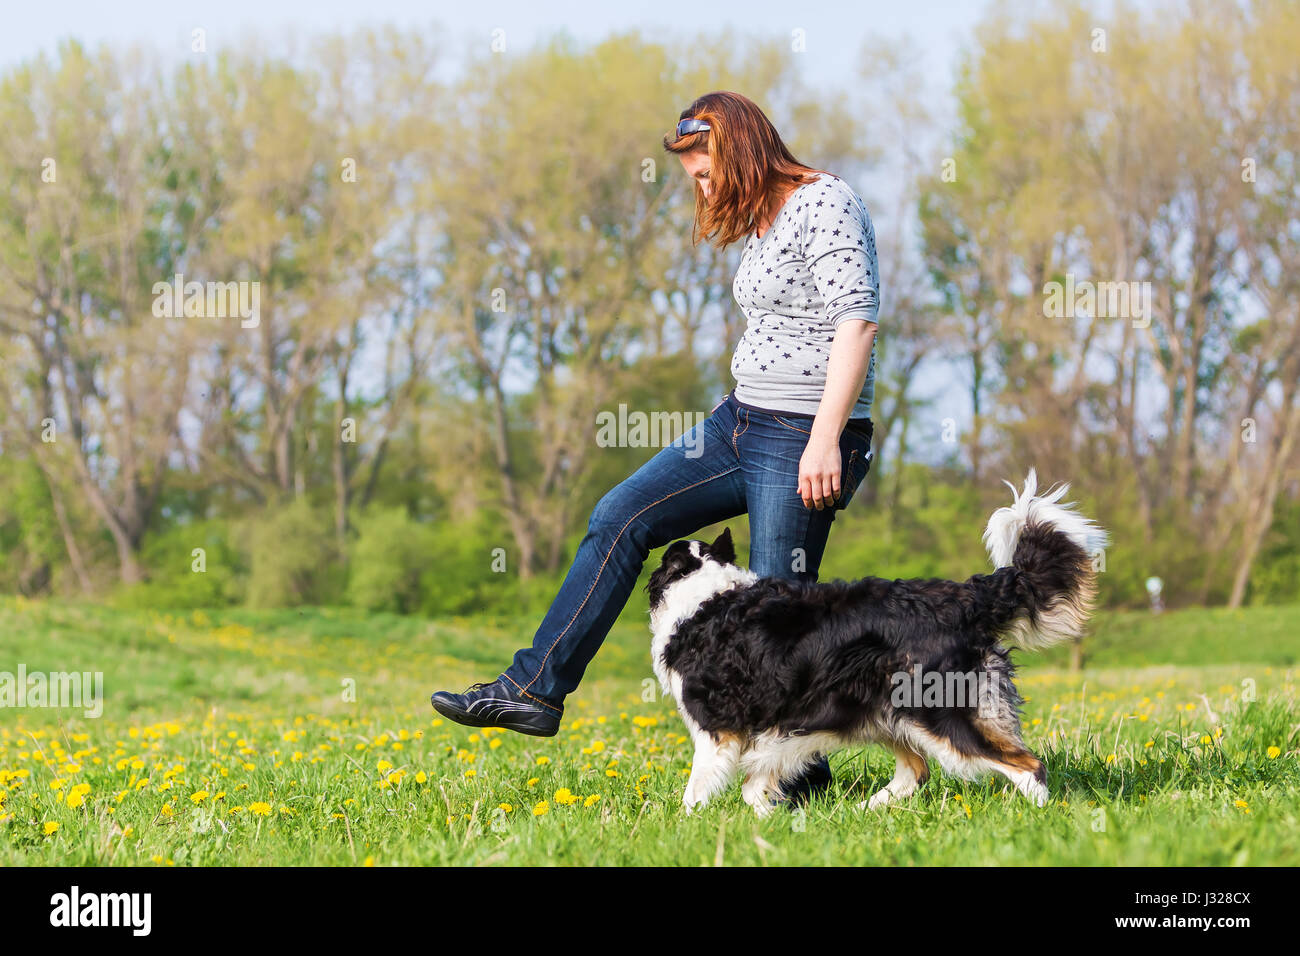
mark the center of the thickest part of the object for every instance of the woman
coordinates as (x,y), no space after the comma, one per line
(789,445)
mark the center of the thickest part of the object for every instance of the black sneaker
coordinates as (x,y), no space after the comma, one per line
(817,779)
(499,704)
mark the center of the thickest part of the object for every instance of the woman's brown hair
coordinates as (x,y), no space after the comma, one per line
(750,167)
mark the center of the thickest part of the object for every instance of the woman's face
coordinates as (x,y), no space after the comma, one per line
(696,164)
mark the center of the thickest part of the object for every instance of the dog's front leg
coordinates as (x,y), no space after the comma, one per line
(714,764)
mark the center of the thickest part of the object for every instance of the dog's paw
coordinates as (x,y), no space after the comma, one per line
(691,802)
(880,798)
(1032,789)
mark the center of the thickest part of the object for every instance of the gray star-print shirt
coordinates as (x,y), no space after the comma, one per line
(814,269)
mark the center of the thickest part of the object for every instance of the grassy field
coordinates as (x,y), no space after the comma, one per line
(306,737)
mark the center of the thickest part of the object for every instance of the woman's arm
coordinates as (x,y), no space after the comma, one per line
(846,372)
(841,256)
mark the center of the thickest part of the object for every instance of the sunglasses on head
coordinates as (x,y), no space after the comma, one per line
(688,126)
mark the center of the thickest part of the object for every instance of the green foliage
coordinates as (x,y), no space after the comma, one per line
(478,571)
(179,578)
(933,530)
(29,534)
(392,562)
(444,568)
(294,557)
(1275,577)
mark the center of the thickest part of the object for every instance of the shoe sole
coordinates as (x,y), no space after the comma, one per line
(469,720)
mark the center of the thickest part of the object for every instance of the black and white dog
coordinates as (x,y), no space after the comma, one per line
(768,673)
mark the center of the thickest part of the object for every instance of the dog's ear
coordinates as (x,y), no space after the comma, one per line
(722,549)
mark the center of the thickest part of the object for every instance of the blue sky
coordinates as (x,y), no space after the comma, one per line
(835,31)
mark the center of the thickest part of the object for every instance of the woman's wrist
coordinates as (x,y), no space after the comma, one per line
(825,432)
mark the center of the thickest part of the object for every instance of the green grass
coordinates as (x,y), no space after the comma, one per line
(1161,751)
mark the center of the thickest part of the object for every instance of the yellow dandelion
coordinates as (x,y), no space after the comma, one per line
(198,796)
(592,800)
(50,827)
(1274,752)
(260,809)
(543,760)
(540,809)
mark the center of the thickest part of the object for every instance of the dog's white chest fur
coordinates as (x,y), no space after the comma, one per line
(682,599)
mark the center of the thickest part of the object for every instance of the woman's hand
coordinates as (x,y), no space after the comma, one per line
(819,473)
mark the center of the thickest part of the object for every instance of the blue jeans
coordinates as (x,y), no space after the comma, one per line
(740,459)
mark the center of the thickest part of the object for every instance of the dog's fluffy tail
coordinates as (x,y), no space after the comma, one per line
(1053,548)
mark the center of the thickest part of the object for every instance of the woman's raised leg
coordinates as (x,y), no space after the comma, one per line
(691,483)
